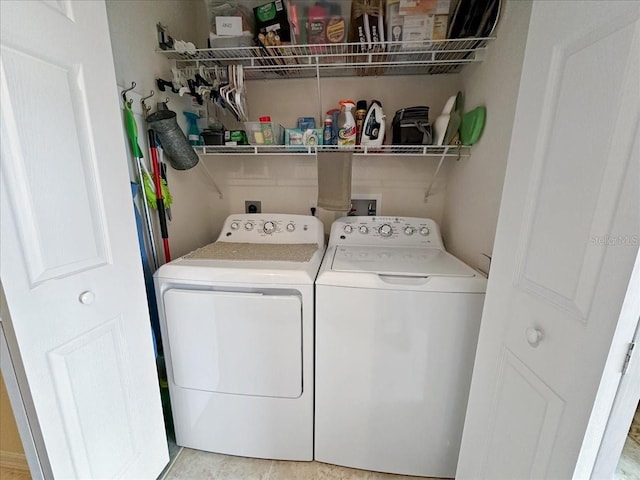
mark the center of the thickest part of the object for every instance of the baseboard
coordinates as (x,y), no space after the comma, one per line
(13,460)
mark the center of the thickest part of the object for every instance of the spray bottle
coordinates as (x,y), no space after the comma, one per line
(347,131)
(193,132)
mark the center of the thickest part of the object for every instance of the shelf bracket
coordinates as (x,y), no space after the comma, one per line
(435,174)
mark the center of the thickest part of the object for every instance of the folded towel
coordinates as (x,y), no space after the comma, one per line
(334,180)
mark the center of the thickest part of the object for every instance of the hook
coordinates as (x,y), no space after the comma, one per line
(124,92)
(145,108)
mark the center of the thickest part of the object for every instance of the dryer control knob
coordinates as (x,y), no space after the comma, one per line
(424,231)
(385,230)
(363,229)
(409,230)
(248,226)
(268,227)
(291,227)
(235,226)
(348,229)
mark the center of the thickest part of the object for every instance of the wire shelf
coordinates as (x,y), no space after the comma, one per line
(344,59)
(456,151)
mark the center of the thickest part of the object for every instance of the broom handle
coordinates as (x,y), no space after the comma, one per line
(147,215)
(160,202)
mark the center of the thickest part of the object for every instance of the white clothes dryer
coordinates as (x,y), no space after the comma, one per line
(397,321)
(236,318)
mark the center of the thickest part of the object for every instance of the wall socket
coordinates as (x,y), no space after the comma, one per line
(364,207)
(252,206)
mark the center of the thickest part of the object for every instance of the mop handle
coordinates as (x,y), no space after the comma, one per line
(160,202)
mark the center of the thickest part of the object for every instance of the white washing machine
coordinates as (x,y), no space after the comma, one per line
(397,321)
(237,327)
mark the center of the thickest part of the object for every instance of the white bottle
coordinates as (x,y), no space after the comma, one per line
(347,130)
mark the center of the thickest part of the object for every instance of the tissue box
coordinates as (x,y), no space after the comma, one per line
(303,138)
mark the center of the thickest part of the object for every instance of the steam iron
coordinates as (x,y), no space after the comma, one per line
(374,125)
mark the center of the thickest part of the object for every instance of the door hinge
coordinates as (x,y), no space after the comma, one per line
(627,357)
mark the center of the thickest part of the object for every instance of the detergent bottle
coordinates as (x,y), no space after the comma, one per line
(347,124)
(193,132)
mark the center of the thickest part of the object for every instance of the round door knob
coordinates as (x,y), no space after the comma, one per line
(87,298)
(534,336)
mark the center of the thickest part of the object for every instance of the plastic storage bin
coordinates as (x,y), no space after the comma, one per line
(319,22)
(258,134)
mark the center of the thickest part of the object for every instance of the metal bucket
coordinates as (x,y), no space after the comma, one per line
(173,140)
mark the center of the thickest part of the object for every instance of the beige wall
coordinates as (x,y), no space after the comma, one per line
(197,211)
(289,184)
(474,187)
(9,437)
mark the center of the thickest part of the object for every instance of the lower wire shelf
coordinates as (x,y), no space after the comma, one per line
(455,151)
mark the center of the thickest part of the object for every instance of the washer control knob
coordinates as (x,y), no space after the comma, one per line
(291,227)
(248,226)
(268,227)
(348,229)
(363,229)
(235,226)
(409,230)
(385,230)
(424,231)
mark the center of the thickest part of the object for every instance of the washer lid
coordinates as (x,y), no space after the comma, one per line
(418,262)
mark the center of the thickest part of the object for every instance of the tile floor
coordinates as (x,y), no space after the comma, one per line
(194,464)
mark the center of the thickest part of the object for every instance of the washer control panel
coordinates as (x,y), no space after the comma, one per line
(272,228)
(407,231)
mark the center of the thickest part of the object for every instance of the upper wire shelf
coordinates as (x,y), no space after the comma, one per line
(342,59)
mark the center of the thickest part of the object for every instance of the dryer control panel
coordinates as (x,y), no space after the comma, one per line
(395,231)
(272,228)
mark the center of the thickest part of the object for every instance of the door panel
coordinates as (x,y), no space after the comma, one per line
(100,394)
(558,263)
(66,235)
(70,266)
(558,282)
(521,395)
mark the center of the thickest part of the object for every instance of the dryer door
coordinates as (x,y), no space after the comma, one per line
(234,342)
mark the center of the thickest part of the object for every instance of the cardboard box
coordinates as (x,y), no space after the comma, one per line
(417,20)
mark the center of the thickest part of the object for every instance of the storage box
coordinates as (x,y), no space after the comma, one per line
(259,133)
(417,20)
(319,22)
(272,17)
(297,137)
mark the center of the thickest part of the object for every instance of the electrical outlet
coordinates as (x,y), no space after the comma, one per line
(252,206)
(364,207)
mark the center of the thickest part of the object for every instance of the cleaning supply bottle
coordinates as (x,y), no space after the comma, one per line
(267,130)
(193,132)
(347,131)
(334,113)
(361,112)
(327,133)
